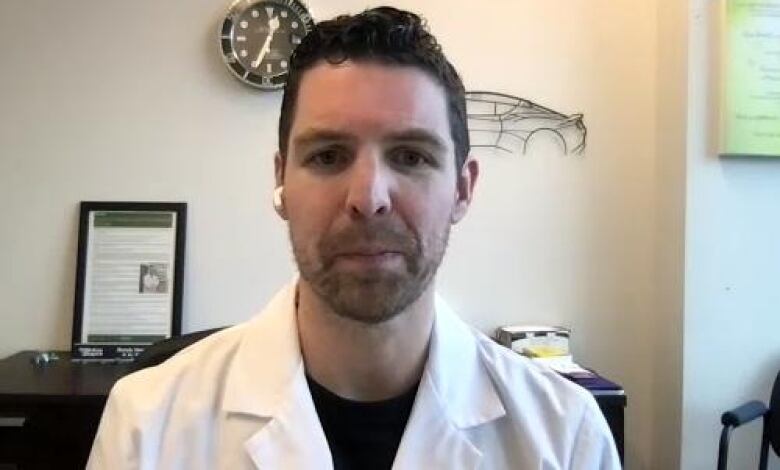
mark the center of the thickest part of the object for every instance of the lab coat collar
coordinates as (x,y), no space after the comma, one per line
(457,372)
(267,360)
(267,380)
(456,393)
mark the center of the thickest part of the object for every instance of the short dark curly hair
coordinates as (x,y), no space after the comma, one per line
(382,35)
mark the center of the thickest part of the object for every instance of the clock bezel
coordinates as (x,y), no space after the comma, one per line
(229,55)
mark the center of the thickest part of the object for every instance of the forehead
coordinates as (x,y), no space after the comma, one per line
(370,99)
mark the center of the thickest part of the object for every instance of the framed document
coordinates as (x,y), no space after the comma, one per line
(129,277)
(750,103)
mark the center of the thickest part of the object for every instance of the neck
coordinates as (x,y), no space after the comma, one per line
(364,362)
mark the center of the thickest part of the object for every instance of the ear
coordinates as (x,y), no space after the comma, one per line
(279,167)
(278,197)
(467,178)
(278,201)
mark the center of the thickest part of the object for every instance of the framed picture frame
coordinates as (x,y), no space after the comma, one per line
(129,277)
(749,79)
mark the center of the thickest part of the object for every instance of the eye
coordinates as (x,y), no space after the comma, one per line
(409,158)
(328,159)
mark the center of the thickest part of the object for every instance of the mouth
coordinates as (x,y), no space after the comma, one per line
(368,259)
(369,252)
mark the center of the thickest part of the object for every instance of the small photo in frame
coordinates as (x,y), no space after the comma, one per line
(129,277)
(153,278)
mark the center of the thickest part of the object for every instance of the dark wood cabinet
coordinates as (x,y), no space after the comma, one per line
(613,405)
(49,413)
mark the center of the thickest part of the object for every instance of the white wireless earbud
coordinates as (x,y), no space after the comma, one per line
(278,201)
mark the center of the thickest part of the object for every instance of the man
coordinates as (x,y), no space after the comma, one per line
(357,364)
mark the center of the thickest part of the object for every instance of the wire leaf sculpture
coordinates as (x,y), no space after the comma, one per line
(501,121)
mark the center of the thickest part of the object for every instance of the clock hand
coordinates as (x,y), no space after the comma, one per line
(273,25)
(263,52)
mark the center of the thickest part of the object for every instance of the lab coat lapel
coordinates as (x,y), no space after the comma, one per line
(456,393)
(293,439)
(266,388)
(431,440)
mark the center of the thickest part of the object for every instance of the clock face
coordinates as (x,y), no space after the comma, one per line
(258,37)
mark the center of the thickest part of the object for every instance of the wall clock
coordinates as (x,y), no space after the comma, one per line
(257,38)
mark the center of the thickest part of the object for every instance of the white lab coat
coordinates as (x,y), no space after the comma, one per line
(239,400)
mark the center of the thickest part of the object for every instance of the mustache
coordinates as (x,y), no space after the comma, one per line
(374,235)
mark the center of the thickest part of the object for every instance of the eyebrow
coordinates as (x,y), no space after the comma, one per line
(314,136)
(412,135)
(421,136)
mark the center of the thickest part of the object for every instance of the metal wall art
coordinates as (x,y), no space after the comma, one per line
(509,123)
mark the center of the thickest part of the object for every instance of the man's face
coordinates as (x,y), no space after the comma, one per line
(370,186)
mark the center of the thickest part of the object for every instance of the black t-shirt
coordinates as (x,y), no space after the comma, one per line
(362,435)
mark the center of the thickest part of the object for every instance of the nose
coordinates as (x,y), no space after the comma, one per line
(370,182)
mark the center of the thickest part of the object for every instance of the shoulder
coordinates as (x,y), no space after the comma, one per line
(549,407)
(519,371)
(179,397)
(195,370)
(200,373)
(522,385)
(149,412)
(531,389)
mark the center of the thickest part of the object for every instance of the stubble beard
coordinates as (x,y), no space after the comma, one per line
(373,296)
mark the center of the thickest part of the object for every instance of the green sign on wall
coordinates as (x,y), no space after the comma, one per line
(750,116)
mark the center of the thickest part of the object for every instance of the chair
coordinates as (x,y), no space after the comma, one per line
(162,350)
(746,413)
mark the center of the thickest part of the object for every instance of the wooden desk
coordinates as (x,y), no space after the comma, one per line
(49,413)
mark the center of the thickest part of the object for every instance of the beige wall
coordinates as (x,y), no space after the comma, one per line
(130,101)
(671,133)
